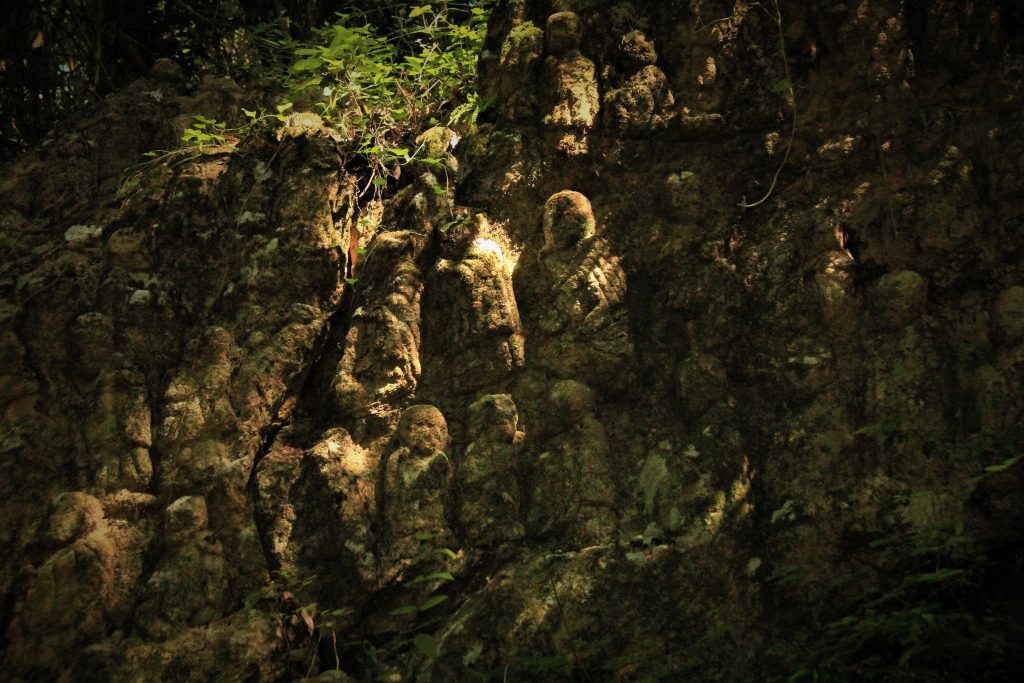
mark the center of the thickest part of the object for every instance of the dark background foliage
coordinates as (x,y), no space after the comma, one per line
(57,56)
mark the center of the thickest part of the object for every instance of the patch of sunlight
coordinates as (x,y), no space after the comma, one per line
(489,247)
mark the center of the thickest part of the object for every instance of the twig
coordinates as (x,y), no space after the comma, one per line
(792,95)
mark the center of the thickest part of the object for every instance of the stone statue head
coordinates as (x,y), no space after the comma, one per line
(568,220)
(423,430)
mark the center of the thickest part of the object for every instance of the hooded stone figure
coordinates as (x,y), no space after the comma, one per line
(576,288)
(416,478)
(571,492)
(572,83)
(487,475)
(189,585)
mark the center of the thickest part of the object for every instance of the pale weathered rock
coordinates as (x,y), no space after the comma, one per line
(471,308)
(381,363)
(78,235)
(732,404)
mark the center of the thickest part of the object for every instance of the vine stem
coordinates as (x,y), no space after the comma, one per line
(792,95)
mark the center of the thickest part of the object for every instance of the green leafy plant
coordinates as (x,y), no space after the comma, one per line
(304,625)
(204,131)
(426,573)
(913,601)
(380,91)
(204,136)
(375,89)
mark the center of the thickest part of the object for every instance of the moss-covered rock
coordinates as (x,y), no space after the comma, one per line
(643,103)
(568,220)
(562,33)
(637,51)
(423,430)
(900,298)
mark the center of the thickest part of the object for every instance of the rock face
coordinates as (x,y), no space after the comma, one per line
(593,413)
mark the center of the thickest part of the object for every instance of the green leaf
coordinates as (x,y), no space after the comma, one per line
(380,182)
(1005,465)
(438,190)
(397,151)
(783,512)
(309,82)
(307,64)
(782,85)
(426,644)
(445,552)
(885,427)
(432,601)
(417,11)
(361,251)
(281,108)
(402,611)
(436,576)
(352,280)
(247,112)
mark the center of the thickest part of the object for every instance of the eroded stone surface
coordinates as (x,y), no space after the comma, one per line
(638,408)
(189,585)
